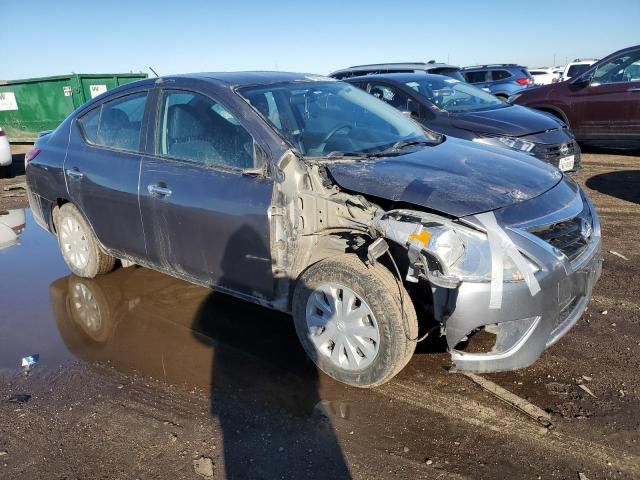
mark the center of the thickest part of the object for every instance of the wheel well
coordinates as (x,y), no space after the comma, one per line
(54,211)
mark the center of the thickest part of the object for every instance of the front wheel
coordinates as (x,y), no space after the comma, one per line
(356,322)
(79,247)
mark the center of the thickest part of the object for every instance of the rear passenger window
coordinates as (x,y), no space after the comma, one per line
(89,124)
(194,127)
(116,124)
(500,74)
(476,77)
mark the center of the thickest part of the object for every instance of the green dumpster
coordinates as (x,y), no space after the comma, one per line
(36,104)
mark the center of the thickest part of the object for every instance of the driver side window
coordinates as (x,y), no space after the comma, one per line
(394,97)
(625,68)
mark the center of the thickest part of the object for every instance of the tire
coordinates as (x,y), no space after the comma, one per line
(79,246)
(375,289)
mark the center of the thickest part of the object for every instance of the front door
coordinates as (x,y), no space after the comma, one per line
(609,107)
(204,200)
(102,168)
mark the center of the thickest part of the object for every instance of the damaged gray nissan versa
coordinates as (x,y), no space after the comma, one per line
(309,196)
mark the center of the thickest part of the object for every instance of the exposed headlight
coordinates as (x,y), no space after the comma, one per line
(509,142)
(451,252)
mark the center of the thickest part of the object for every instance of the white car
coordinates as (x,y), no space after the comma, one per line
(577,67)
(543,76)
(5,151)
(12,224)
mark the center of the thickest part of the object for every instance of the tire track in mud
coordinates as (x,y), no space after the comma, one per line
(503,421)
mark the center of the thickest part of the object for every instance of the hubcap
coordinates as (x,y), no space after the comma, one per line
(342,327)
(86,307)
(74,243)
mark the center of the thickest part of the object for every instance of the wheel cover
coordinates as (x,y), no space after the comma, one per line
(342,327)
(86,307)
(74,243)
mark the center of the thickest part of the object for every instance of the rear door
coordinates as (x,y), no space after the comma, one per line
(609,107)
(102,167)
(204,197)
(479,78)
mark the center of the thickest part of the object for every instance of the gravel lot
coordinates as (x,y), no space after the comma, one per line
(168,373)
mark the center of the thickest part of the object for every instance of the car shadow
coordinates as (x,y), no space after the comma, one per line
(624,184)
(302,443)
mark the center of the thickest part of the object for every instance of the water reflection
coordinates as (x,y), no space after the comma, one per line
(12,224)
(264,391)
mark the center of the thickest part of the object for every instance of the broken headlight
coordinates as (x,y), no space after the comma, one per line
(513,143)
(448,253)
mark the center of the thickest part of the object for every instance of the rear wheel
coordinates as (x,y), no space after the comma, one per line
(78,245)
(356,322)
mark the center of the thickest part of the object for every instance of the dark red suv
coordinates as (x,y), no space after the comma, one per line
(601,106)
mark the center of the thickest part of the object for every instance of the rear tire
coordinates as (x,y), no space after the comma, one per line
(79,246)
(374,338)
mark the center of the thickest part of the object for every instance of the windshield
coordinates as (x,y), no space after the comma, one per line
(321,118)
(453,96)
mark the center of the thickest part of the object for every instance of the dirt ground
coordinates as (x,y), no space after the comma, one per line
(141,375)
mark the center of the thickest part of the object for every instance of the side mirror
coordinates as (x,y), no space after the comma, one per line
(583,80)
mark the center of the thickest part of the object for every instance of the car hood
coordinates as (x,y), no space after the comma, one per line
(456,178)
(513,120)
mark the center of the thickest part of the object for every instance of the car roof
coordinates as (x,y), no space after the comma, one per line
(493,65)
(397,66)
(401,77)
(253,77)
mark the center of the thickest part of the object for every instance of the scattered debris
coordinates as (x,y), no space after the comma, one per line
(612,252)
(428,461)
(621,393)
(203,466)
(405,449)
(582,476)
(586,378)
(21,186)
(19,398)
(29,361)
(586,389)
(512,399)
(3,453)
(604,312)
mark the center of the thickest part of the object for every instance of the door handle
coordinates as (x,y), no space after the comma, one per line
(74,172)
(156,190)
(635,89)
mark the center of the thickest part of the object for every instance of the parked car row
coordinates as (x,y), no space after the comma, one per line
(601,105)
(312,196)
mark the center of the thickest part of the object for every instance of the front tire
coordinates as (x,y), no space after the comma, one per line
(356,322)
(80,249)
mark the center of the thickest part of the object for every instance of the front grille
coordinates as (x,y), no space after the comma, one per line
(552,153)
(571,236)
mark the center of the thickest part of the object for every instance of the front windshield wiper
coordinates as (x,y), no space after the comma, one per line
(339,154)
(408,143)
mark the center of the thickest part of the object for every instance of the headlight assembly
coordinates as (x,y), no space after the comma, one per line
(449,253)
(513,143)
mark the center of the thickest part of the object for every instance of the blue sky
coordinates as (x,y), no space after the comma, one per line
(47,37)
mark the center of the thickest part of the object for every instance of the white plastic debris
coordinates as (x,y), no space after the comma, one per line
(30,360)
(612,252)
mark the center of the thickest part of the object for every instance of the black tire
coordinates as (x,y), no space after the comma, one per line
(386,298)
(98,261)
(5,171)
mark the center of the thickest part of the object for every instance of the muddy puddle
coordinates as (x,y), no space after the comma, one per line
(142,322)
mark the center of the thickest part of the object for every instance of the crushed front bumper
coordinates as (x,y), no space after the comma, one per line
(525,325)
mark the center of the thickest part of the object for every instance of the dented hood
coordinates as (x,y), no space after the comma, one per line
(457,177)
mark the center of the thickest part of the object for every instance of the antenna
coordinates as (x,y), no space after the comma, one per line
(154,72)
